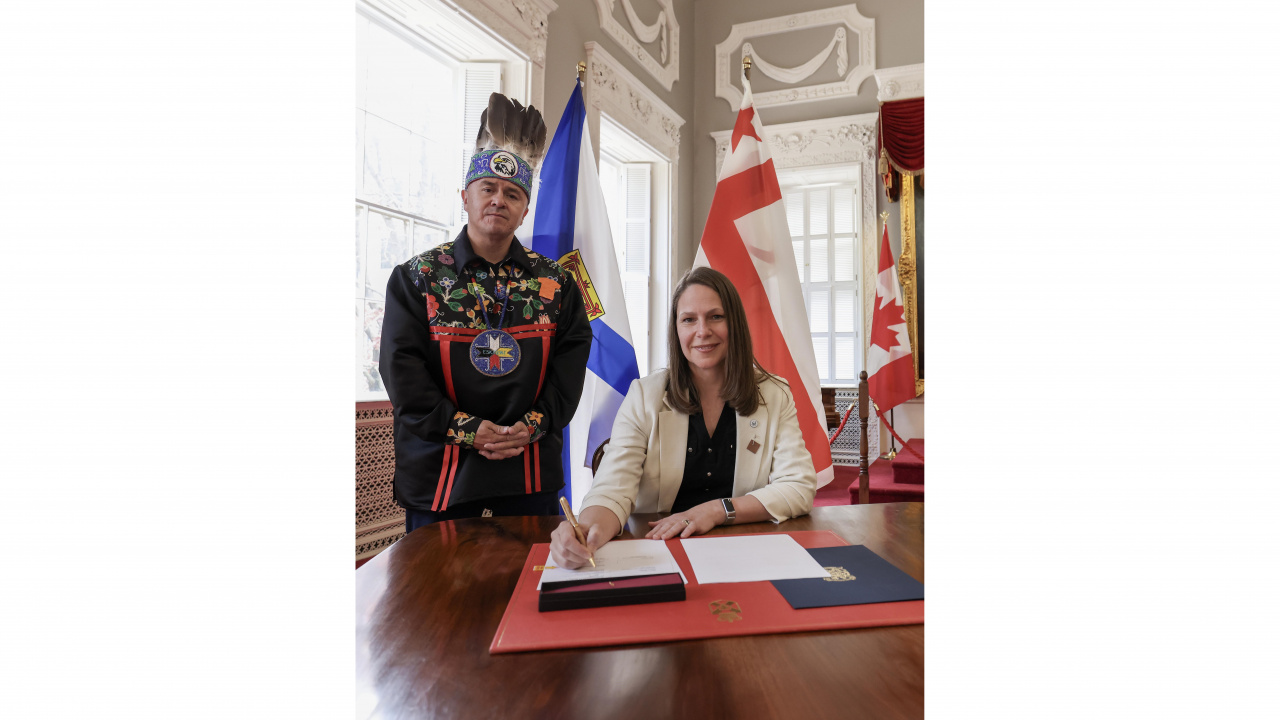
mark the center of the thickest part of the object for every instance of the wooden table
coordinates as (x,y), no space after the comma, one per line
(428,607)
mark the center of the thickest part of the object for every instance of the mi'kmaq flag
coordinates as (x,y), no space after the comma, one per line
(891,374)
(571,226)
(747,239)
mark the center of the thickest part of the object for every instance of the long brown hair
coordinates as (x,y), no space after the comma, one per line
(741,371)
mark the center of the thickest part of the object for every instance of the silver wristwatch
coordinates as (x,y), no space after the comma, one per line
(729,514)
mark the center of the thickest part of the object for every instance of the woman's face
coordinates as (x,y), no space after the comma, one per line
(702,327)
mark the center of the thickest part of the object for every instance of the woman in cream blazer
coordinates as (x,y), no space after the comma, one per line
(645,461)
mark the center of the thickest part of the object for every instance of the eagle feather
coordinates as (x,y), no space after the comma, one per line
(508,125)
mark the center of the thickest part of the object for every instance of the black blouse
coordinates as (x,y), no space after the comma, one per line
(709,461)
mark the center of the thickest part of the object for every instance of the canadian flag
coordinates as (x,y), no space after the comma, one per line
(892,378)
(747,239)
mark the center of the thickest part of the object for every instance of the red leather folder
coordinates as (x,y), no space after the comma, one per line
(717,610)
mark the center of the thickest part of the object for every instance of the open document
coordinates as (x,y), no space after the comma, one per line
(621,558)
(748,558)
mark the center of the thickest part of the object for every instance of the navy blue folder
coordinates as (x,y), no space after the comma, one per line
(874,580)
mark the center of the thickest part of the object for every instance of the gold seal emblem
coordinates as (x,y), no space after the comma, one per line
(838,574)
(726,610)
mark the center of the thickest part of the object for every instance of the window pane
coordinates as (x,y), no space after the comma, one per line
(361,221)
(818,311)
(386,163)
(795,213)
(843,209)
(818,212)
(360,120)
(396,76)
(820,352)
(362,351)
(425,237)
(797,247)
(362,60)
(845,263)
(845,358)
(371,339)
(844,310)
(818,260)
(388,246)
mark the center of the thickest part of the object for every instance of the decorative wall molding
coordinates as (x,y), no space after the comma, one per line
(839,44)
(728,61)
(831,141)
(666,68)
(523,23)
(611,89)
(900,83)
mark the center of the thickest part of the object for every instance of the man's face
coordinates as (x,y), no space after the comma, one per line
(495,208)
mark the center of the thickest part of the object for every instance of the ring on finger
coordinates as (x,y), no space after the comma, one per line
(686,521)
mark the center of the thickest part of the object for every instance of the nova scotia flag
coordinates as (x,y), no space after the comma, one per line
(570,226)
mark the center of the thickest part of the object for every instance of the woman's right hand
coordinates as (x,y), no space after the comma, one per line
(567,552)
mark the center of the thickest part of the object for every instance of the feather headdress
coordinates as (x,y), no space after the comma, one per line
(510,144)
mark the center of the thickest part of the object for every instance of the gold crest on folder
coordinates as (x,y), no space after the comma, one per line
(726,610)
(838,574)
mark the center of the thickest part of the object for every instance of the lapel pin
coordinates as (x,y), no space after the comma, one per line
(755,423)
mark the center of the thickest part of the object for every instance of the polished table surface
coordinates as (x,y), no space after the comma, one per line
(428,607)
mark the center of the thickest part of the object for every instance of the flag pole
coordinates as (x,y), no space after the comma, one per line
(582,70)
(893,450)
(746,66)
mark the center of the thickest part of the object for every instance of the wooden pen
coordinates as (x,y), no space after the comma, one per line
(577,531)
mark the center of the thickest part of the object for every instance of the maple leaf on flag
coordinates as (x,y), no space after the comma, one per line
(882,332)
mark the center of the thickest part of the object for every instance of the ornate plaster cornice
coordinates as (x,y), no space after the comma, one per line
(665,69)
(610,88)
(863,27)
(900,83)
(523,23)
(831,141)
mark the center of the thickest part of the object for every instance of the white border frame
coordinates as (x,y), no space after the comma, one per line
(666,74)
(863,27)
(900,83)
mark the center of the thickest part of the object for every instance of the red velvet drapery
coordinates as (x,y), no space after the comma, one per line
(902,134)
(900,143)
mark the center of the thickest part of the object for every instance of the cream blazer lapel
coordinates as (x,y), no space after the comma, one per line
(746,466)
(673,434)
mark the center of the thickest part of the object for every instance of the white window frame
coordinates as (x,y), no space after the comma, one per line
(827,286)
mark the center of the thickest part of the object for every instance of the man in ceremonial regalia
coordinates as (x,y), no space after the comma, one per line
(484,347)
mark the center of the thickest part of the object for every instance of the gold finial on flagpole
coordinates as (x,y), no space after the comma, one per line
(746,66)
(582,69)
(884,218)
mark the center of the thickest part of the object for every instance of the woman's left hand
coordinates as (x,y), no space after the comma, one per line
(694,521)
